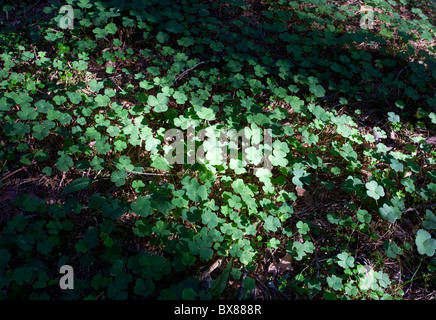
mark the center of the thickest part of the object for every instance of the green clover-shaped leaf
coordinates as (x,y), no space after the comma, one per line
(27,113)
(159,162)
(374,190)
(111,28)
(189,294)
(393,117)
(74,97)
(95,85)
(102,100)
(144,287)
(206,114)
(42,130)
(391,213)
(113,131)
(363,216)
(396,165)
(194,190)
(64,163)
(210,219)
(162,37)
(345,261)
(100,33)
(425,243)
(43,106)
(159,102)
(334,282)
(430,220)
(119,178)
(303,227)
(272,223)
(142,206)
(299,250)
(392,249)
(300,176)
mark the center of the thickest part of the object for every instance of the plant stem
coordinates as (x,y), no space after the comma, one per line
(414,274)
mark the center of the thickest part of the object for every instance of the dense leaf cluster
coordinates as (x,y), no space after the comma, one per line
(91,106)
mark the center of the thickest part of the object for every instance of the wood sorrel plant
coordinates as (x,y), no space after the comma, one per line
(313,149)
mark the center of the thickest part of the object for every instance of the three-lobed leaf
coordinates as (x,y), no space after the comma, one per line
(425,243)
(374,190)
(345,260)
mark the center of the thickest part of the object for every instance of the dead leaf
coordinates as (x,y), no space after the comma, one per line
(284,264)
(300,191)
(365,8)
(209,270)
(366,172)
(431,140)
(304,193)
(126,103)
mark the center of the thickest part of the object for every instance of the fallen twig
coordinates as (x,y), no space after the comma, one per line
(420,207)
(401,71)
(12,173)
(186,71)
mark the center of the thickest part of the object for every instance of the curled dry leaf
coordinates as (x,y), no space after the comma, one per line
(280,267)
(209,270)
(304,193)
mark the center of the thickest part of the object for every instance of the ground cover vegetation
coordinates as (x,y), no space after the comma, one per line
(347,210)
